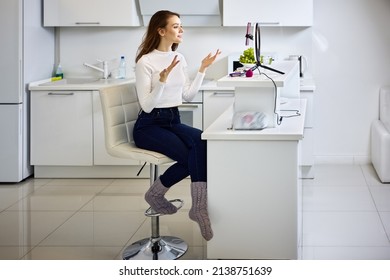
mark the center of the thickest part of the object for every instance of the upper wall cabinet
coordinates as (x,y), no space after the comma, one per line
(192,12)
(268,12)
(90,13)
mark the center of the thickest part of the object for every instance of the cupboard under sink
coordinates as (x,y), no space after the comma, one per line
(67,132)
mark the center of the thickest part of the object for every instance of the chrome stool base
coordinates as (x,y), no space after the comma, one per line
(167,248)
(157,247)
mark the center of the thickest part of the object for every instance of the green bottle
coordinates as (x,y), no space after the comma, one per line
(59,71)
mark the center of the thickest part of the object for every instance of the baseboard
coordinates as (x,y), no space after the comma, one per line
(345,159)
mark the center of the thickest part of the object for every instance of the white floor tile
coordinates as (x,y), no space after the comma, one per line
(58,198)
(61,190)
(9,196)
(96,229)
(371,176)
(347,253)
(126,189)
(337,175)
(381,196)
(346,216)
(11,193)
(195,253)
(385,217)
(29,228)
(13,252)
(80,182)
(117,202)
(49,202)
(337,199)
(343,229)
(131,182)
(73,253)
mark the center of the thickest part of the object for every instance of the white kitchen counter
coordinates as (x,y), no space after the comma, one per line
(254,191)
(290,69)
(77,84)
(306,84)
(212,85)
(290,128)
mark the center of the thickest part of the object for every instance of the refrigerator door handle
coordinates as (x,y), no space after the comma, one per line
(61,93)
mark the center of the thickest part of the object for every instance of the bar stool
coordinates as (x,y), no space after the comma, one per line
(120,109)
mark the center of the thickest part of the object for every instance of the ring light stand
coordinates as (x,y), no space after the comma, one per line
(257,39)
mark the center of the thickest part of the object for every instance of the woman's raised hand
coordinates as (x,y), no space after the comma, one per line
(208,60)
(165,73)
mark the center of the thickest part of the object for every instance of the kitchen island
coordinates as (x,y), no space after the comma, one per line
(254,190)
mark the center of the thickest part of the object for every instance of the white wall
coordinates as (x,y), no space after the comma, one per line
(78,45)
(348,55)
(351,60)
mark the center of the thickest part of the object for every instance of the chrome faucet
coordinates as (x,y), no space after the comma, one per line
(104,70)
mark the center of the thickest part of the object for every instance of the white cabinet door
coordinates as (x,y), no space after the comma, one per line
(307,144)
(309,118)
(268,12)
(192,12)
(61,128)
(90,13)
(101,157)
(214,104)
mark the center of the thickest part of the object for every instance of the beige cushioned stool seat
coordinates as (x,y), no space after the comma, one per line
(120,111)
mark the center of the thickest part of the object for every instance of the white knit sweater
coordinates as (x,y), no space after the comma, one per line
(154,94)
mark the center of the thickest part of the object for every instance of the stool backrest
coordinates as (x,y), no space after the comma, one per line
(384,106)
(120,109)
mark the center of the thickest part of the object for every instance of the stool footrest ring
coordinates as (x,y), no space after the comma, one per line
(151,213)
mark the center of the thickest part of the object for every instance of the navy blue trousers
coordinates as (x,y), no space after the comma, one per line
(162,131)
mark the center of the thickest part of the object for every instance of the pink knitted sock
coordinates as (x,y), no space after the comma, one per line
(198,211)
(155,197)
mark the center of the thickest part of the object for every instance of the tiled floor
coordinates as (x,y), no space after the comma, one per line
(346,216)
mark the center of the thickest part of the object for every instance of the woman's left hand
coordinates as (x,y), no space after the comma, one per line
(208,60)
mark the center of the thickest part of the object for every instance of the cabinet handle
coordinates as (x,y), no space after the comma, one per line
(270,23)
(224,94)
(86,22)
(60,93)
(188,106)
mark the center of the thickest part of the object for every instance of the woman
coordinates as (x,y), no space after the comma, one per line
(162,83)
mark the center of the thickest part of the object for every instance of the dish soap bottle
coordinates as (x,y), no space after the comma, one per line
(122,68)
(59,73)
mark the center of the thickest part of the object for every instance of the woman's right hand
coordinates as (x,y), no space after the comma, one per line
(165,73)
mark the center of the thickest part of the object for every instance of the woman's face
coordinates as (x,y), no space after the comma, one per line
(173,31)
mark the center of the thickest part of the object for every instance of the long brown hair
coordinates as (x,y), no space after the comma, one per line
(151,39)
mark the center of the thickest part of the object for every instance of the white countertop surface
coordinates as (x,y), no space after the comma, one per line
(77,84)
(306,84)
(290,68)
(290,128)
(212,85)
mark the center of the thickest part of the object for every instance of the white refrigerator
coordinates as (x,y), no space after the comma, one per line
(26,55)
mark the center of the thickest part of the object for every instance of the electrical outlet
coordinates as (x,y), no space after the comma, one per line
(272,55)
